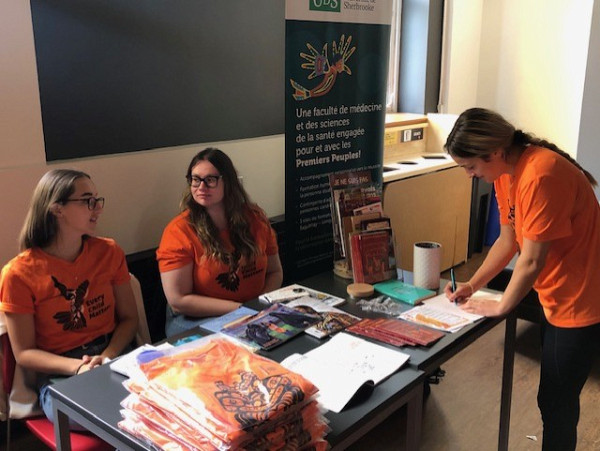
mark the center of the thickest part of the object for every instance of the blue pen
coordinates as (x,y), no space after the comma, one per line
(453,281)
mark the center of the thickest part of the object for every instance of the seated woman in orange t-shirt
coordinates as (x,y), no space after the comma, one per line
(66,297)
(220,251)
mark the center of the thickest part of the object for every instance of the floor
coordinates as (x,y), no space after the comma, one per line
(462,411)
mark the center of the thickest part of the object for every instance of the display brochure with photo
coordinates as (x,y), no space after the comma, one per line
(332,319)
(271,327)
(217,323)
(295,291)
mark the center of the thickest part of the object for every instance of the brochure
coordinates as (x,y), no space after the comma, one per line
(332,319)
(271,327)
(296,291)
(217,323)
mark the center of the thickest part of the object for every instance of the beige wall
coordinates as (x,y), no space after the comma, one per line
(460,60)
(589,132)
(142,189)
(524,58)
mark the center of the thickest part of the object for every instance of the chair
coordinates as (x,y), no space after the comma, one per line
(39,425)
(143,334)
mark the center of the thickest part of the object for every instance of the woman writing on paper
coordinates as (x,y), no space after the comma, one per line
(550,216)
(220,251)
(66,297)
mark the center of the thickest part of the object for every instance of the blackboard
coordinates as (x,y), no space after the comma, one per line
(127,75)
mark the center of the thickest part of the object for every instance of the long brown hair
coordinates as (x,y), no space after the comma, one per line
(40,227)
(479,132)
(238,207)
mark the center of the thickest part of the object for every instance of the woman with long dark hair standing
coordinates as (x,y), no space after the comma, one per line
(550,216)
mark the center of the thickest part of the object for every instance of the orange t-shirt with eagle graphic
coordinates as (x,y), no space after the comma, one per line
(181,246)
(72,302)
(549,199)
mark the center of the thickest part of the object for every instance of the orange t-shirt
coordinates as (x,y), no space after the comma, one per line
(228,400)
(181,246)
(72,302)
(549,199)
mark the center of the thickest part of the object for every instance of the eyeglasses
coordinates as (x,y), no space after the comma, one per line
(211,181)
(92,202)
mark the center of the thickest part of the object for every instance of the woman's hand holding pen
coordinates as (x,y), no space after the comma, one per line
(461,293)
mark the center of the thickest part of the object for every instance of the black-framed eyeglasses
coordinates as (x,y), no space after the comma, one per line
(211,181)
(92,202)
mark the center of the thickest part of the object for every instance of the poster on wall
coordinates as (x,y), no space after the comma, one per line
(336,69)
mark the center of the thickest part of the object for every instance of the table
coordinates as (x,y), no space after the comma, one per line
(92,398)
(431,358)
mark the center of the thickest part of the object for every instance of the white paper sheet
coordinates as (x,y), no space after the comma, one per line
(438,312)
(341,365)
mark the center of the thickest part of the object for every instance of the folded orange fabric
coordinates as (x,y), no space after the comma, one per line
(227,390)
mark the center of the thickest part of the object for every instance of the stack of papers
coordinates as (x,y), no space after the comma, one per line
(438,312)
(396,332)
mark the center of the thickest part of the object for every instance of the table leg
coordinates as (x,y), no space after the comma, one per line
(414,419)
(507,379)
(61,429)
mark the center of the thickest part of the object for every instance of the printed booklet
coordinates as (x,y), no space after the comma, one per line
(296,291)
(332,319)
(271,327)
(403,292)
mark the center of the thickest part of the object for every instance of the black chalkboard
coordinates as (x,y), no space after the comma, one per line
(125,75)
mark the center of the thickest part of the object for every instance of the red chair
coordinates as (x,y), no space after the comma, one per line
(40,426)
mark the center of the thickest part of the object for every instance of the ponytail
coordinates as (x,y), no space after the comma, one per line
(521,138)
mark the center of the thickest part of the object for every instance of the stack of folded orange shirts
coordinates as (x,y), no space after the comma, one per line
(218,395)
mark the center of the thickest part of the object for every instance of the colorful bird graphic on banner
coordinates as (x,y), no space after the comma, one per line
(321,66)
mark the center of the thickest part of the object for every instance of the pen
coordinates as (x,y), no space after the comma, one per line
(453,281)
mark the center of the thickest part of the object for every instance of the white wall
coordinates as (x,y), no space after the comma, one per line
(589,134)
(460,55)
(532,65)
(142,189)
(525,59)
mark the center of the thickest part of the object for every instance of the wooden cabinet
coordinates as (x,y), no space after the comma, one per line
(430,207)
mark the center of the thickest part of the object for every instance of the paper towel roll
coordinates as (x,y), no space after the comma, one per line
(427,263)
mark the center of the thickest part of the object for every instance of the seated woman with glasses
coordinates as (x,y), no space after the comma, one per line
(66,297)
(220,251)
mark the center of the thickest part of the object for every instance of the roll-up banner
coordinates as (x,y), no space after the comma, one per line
(336,69)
